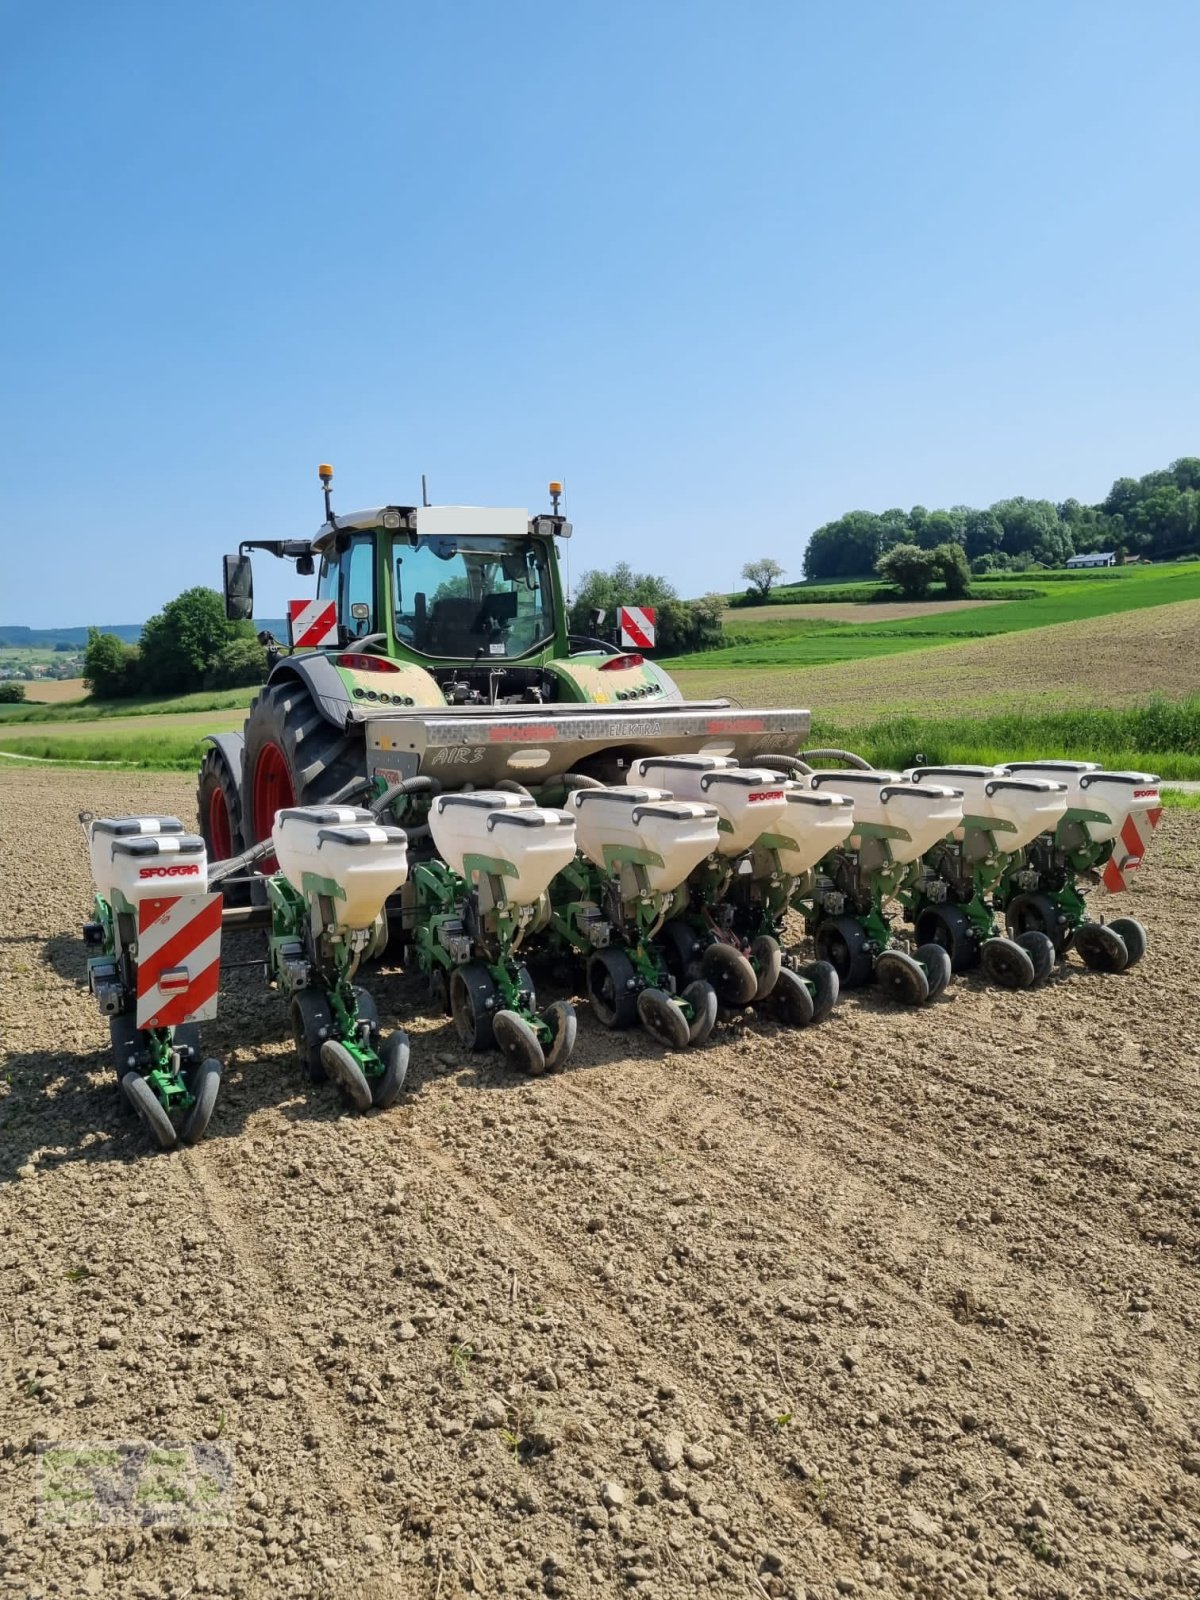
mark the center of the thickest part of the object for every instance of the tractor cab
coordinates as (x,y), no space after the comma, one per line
(462,603)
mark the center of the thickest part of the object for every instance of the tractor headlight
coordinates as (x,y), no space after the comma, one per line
(391,518)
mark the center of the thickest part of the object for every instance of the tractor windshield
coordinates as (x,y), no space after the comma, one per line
(468,598)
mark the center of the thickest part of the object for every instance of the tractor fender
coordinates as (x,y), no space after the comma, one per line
(229,747)
(322,680)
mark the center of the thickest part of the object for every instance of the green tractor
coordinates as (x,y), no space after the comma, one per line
(438,648)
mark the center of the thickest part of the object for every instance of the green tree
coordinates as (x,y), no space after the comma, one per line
(983,533)
(240,664)
(180,644)
(950,561)
(622,586)
(11,692)
(762,576)
(910,568)
(847,548)
(111,668)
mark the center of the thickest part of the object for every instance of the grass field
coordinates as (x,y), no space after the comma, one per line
(796,641)
(90,711)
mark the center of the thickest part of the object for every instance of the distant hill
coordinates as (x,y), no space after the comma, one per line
(130,632)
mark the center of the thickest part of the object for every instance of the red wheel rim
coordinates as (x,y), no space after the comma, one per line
(220,827)
(272,789)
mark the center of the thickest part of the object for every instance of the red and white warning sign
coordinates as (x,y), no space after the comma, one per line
(179,959)
(637,626)
(1129,847)
(312,623)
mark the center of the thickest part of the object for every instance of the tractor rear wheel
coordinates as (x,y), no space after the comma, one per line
(219,807)
(293,757)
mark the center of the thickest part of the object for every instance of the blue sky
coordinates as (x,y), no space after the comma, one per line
(729,269)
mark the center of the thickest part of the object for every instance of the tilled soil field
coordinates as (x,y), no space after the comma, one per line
(906,1304)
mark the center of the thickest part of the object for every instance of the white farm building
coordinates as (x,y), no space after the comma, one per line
(1098,558)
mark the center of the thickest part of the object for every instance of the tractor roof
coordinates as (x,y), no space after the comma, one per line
(457,521)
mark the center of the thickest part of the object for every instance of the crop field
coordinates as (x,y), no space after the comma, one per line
(902,1304)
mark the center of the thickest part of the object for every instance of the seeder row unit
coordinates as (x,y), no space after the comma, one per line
(672,896)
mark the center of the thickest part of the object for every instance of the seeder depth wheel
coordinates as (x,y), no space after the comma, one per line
(1037,913)
(902,978)
(474,1000)
(702,998)
(950,927)
(345,1071)
(1101,947)
(312,1023)
(939,967)
(730,974)
(560,1018)
(681,949)
(794,999)
(1132,936)
(767,960)
(825,986)
(663,1019)
(149,1108)
(612,988)
(519,1042)
(1007,963)
(842,942)
(203,1079)
(1040,949)
(387,1088)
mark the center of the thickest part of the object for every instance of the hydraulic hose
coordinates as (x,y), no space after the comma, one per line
(789,764)
(419,785)
(511,786)
(579,780)
(847,756)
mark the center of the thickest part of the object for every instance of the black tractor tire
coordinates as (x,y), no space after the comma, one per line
(293,756)
(949,926)
(842,942)
(219,816)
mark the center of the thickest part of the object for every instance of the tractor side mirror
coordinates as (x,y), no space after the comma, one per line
(596,618)
(239,588)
